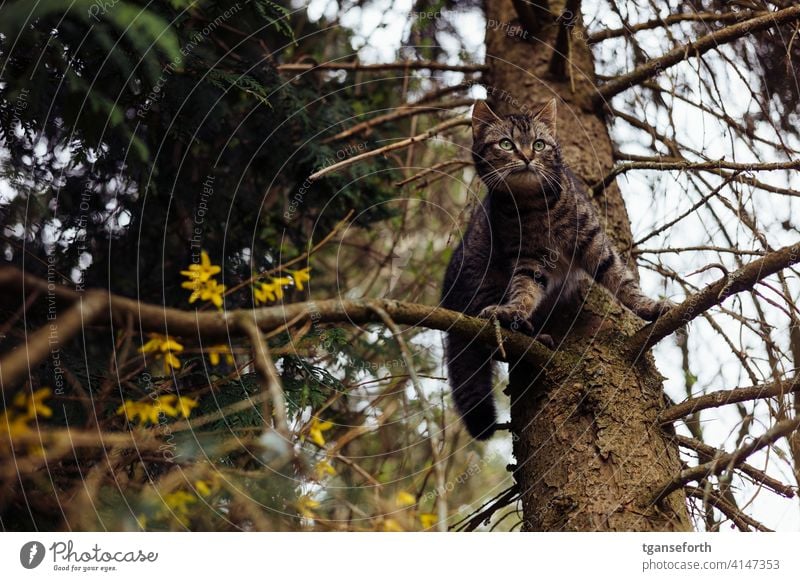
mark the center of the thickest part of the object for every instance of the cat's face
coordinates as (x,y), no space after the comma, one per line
(518,153)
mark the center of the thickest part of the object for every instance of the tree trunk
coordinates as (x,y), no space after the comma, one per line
(587,442)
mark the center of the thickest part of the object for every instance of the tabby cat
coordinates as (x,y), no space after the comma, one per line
(524,250)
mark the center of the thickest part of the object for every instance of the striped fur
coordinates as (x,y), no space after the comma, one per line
(524,251)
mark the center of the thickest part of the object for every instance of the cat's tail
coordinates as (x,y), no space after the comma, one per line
(469,367)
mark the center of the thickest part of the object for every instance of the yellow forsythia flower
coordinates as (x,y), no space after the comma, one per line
(13,425)
(215,351)
(163,346)
(392,526)
(170,405)
(203,271)
(305,506)
(404,498)
(33,404)
(324,468)
(315,430)
(201,284)
(267,292)
(300,276)
(203,487)
(428,520)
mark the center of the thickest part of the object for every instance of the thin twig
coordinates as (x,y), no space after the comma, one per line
(714,294)
(432,132)
(740,519)
(269,375)
(378,67)
(721,398)
(695,48)
(726,462)
(434,435)
(399,113)
(706,453)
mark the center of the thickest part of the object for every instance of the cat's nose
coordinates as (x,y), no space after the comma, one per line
(528,153)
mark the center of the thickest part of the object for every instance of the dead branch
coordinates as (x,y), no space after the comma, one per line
(664,164)
(695,48)
(399,113)
(434,435)
(726,462)
(602,35)
(456,163)
(432,132)
(721,398)
(714,294)
(706,453)
(740,519)
(485,512)
(562,49)
(379,67)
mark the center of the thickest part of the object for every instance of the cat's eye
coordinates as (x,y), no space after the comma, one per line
(539,145)
(506,144)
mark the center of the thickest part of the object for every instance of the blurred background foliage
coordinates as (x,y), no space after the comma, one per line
(132,135)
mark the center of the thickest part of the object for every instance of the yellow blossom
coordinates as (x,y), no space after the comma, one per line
(203,271)
(164,347)
(428,520)
(186,405)
(392,526)
(209,290)
(315,431)
(271,291)
(300,276)
(215,351)
(324,468)
(170,405)
(264,293)
(202,487)
(13,425)
(32,403)
(178,503)
(305,506)
(404,498)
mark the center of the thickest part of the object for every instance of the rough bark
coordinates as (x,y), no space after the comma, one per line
(587,440)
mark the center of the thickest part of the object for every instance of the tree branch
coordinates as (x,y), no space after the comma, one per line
(223,325)
(721,398)
(269,376)
(16,365)
(706,453)
(714,294)
(601,35)
(726,461)
(432,132)
(697,47)
(377,67)
(740,519)
(683,165)
(399,113)
(434,435)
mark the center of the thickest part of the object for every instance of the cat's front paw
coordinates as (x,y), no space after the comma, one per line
(655,309)
(509,316)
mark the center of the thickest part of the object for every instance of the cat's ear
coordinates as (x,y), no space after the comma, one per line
(482,116)
(547,115)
